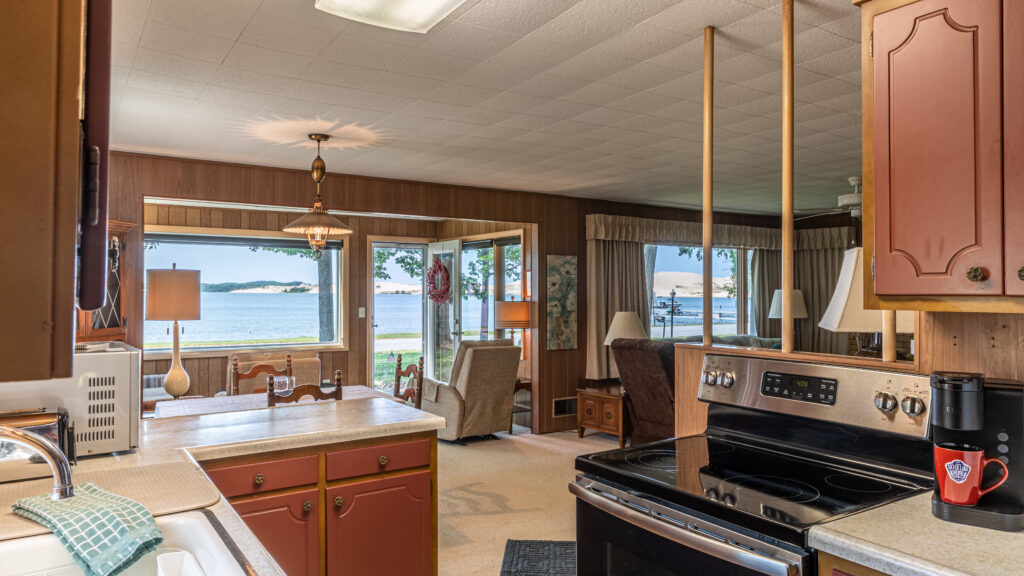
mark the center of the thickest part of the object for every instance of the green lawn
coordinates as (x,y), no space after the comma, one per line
(384,371)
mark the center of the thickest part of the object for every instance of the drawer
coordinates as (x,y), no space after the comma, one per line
(265,476)
(377,459)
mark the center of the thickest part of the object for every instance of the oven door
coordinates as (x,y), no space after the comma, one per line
(614,538)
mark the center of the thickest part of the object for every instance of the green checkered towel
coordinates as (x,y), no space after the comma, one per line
(105,533)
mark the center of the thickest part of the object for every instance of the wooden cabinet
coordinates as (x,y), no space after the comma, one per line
(363,515)
(943,164)
(110,322)
(41,93)
(288,527)
(829,565)
(601,409)
(359,508)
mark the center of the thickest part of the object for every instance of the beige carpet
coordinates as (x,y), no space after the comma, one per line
(513,487)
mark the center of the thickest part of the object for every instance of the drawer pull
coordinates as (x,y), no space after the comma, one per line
(1020,272)
(607,415)
(383,460)
(307,506)
(338,501)
(258,480)
(590,411)
(976,274)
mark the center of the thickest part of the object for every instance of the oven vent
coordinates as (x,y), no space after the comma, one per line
(565,406)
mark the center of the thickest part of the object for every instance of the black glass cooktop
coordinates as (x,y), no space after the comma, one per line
(722,476)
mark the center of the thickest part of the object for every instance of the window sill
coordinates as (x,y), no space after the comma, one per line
(165,353)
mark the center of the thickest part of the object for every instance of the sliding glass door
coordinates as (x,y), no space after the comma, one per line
(398,312)
(444,330)
(477,273)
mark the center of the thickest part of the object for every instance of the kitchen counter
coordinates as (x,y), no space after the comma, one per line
(904,539)
(208,436)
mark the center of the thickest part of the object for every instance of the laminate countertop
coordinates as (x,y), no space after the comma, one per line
(193,439)
(904,539)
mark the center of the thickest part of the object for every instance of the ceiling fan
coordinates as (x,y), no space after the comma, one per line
(847,203)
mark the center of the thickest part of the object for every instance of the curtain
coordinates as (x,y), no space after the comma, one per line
(817,261)
(616,282)
(652,231)
(650,258)
(766,278)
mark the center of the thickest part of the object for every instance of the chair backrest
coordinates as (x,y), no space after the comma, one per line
(647,370)
(305,369)
(464,347)
(297,393)
(414,386)
(253,372)
(486,382)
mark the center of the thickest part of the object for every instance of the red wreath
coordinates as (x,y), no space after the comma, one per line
(439,282)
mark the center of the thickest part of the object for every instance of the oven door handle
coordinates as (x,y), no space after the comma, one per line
(690,539)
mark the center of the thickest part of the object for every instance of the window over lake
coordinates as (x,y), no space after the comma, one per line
(255,292)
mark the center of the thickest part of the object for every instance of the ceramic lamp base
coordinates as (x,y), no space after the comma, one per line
(176,383)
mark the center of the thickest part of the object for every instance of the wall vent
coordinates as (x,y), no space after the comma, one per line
(564,406)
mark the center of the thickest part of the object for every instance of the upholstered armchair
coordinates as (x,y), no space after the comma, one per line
(647,370)
(478,398)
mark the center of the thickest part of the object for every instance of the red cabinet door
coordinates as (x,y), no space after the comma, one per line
(288,528)
(380,526)
(938,148)
(1013,144)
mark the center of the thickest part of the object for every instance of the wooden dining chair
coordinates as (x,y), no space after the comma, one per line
(314,390)
(414,384)
(255,371)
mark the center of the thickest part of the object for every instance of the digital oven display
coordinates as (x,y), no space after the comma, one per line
(802,388)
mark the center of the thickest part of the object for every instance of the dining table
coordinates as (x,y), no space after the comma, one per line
(215,404)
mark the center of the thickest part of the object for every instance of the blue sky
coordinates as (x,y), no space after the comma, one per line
(669,260)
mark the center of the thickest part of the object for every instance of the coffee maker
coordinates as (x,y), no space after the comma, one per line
(989,414)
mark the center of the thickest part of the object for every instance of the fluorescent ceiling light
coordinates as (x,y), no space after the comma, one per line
(407,15)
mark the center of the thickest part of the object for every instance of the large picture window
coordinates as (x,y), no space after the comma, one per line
(255,292)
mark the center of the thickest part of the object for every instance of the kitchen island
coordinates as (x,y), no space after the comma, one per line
(325,427)
(904,539)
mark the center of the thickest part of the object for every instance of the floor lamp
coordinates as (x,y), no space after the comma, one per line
(173,295)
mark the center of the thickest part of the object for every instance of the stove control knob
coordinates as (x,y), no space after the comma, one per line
(912,406)
(886,402)
(726,379)
(728,499)
(710,378)
(711,493)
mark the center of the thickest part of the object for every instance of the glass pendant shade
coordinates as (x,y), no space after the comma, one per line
(317,225)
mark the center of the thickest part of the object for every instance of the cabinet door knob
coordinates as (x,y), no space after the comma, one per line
(307,506)
(975,274)
(258,480)
(607,415)
(1020,273)
(383,460)
(338,501)
(589,411)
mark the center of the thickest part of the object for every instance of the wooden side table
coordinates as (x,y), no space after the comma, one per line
(521,384)
(601,408)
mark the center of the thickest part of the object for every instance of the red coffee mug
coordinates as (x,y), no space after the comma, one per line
(958,471)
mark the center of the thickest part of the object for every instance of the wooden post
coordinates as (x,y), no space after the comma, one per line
(888,335)
(707,210)
(788,334)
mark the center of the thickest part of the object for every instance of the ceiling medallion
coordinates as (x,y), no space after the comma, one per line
(294,132)
(317,225)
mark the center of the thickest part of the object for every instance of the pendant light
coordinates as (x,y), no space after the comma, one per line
(317,225)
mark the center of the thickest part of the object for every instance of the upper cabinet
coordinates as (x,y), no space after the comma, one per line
(943,100)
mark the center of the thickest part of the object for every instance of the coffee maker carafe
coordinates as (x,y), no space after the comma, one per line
(969,410)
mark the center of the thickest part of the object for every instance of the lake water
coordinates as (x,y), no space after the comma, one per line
(244,317)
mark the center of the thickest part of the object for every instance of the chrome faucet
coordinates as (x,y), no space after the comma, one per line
(59,465)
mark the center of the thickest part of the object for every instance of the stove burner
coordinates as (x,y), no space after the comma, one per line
(777,486)
(854,483)
(653,459)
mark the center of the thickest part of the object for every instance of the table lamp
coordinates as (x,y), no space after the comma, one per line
(846,312)
(624,325)
(173,295)
(799,308)
(512,315)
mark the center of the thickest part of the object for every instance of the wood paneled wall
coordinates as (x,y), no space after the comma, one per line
(450,229)
(559,230)
(209,374)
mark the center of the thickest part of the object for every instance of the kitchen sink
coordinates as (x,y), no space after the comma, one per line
(197,532)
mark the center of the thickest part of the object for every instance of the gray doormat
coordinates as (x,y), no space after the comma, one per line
(539,558)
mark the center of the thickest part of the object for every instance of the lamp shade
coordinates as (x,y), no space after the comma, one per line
(846,311)
(799,307)
(172,294)
(512,315)
(625,325)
